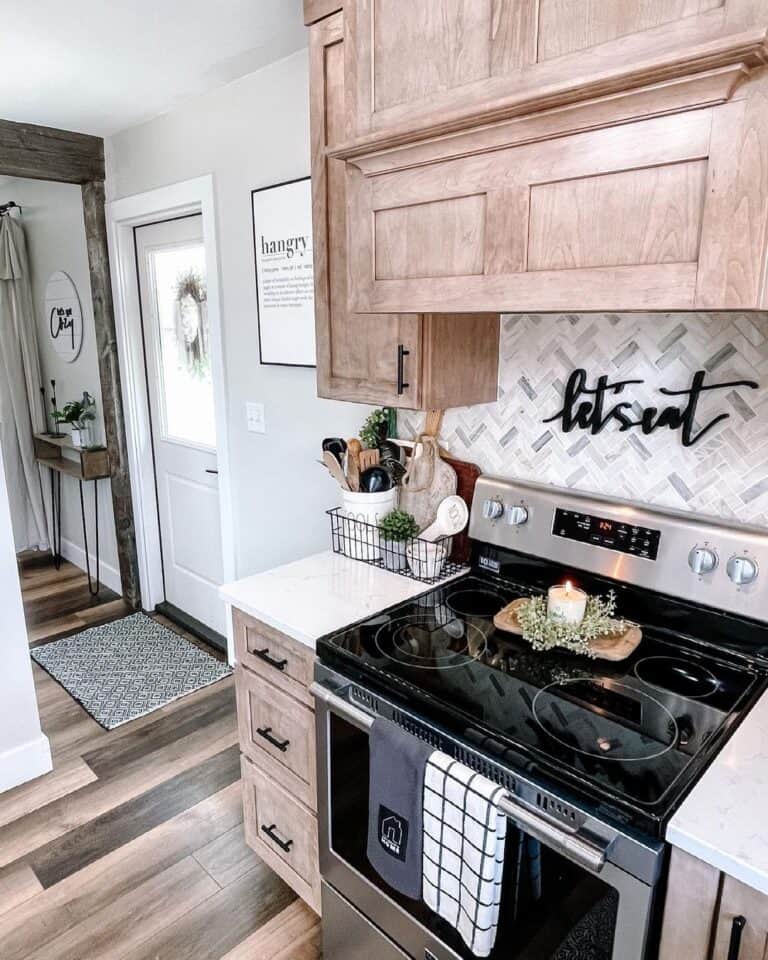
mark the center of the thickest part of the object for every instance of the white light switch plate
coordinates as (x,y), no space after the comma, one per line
(254,413)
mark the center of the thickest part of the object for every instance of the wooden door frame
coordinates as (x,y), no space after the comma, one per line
(123,215)
(45,153)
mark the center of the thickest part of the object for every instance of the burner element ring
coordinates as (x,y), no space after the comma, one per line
(423,643)
(673,675)
(552,715)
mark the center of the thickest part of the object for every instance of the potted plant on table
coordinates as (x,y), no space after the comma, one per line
(397,529)
(79,414)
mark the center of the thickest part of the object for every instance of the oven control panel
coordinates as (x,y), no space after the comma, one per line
(607,533)
(703,560)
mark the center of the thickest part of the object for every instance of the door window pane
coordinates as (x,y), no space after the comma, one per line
(183,345)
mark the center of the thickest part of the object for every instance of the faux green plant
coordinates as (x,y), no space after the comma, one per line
(77,412)
(375,428)
(544,632)
(398,526)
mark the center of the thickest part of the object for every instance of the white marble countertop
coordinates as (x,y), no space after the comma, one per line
(723,821)
(319,594)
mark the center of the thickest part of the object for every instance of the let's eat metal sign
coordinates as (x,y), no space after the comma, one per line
(592,409)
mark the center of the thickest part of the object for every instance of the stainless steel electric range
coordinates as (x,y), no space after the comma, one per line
(595,756)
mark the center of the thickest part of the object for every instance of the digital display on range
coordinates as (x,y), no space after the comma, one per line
(611,534)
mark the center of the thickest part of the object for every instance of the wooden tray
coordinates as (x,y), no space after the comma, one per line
(612,646)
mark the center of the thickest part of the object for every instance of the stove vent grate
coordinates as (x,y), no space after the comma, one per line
(467,757)
(365,698)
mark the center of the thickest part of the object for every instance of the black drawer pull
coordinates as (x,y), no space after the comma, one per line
(277,664)
(270,832)
(402,384)
(266,733)
(734,944)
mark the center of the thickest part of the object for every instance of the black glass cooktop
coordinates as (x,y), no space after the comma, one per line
(635,731)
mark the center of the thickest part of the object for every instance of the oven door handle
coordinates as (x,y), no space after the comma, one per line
(358,718)
(570,845)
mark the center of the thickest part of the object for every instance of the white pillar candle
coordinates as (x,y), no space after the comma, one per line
(566,603)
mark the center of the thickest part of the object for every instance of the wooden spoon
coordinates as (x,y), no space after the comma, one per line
(334,468)
(354,448)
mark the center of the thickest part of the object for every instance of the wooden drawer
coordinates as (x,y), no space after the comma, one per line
(278,734)
(270,654)
(282,832)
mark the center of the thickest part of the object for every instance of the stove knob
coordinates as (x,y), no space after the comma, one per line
(742,570)
(702,560)
(493,509)
(517,515)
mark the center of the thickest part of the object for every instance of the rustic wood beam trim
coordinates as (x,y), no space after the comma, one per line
(748,50)
(109,374)
(43,153)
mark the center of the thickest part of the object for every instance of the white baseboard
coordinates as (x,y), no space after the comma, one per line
(25,762)
(73,552)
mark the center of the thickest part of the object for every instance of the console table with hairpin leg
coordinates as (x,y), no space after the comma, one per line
(90,465)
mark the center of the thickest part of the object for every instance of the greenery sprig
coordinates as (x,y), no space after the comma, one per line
(398,526)
(545,633)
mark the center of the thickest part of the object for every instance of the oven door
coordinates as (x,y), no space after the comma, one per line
(561,898)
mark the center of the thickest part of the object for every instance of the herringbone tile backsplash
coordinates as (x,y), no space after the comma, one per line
(724,475)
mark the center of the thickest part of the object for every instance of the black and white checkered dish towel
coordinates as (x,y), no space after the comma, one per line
(463,852)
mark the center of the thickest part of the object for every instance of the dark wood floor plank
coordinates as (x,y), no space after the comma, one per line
(108,759)
(218,925)
(93,840)
(86,892)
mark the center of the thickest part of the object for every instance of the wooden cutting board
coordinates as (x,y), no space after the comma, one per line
(466,478)
(612,646)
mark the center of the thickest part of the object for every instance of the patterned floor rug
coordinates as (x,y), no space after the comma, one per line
(125,669)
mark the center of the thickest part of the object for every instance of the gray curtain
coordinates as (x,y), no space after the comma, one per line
(20,401)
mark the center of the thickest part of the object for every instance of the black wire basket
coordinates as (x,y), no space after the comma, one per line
(418,559)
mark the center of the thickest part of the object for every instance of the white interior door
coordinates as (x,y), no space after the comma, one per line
(172,281)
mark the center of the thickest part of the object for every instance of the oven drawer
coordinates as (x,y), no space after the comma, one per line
(278,734)
(282,831)
(284,662)
(347,935)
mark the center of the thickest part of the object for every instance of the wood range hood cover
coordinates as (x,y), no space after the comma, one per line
(630,174)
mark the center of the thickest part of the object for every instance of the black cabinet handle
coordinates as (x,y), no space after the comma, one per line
(266,733)
(277,664)
(270,832)
(402,353)
(734,944)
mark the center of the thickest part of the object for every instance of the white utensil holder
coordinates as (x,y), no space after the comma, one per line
(360,514)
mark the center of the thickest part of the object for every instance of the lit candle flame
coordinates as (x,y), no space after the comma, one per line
(568,586)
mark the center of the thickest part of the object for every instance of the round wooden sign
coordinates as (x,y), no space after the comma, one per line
(64,316)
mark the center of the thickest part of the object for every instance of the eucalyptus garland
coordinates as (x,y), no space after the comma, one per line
(544,632)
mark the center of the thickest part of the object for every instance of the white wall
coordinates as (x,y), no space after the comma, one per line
(24,750)
(53,222)
(252,133)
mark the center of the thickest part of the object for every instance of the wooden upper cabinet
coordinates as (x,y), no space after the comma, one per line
(654,199)
(421,63)
(404,359)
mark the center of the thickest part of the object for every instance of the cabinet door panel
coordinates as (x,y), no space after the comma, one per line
(565,26)
(741,901)
(418,63)
(604,219)
(357,356)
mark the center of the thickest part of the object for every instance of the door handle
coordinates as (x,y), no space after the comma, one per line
(212,471)
(266,734)
(264,655)
(734,944)
(402,384)
(270,832)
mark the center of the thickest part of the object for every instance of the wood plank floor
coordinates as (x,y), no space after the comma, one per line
(132,848)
